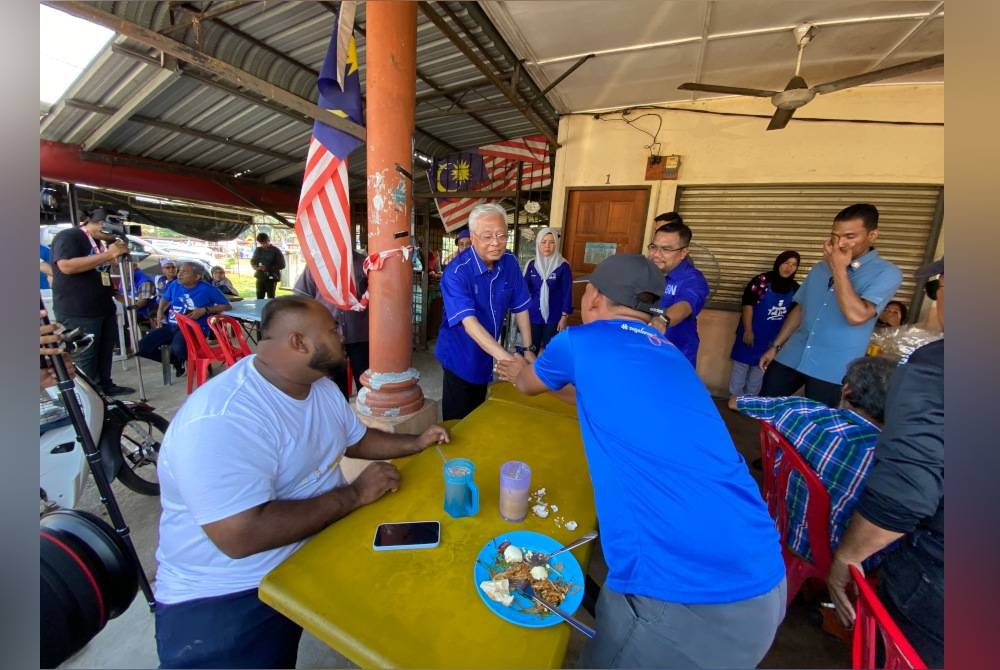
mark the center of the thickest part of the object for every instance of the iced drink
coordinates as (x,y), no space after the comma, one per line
(515,480)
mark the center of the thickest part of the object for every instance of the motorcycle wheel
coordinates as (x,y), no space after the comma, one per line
(140,441)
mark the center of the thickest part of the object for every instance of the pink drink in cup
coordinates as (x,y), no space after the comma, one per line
(515,481)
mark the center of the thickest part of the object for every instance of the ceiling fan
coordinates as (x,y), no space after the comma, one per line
(797,93)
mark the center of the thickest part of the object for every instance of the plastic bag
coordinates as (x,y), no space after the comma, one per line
(900,342)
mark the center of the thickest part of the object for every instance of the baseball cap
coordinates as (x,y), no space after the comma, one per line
(462,234)
(97,214)
(930,269)
(624,277)
(167,261)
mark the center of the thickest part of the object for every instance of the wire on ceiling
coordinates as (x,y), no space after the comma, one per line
(625,110)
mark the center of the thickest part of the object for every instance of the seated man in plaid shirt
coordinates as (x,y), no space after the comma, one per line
(838,444)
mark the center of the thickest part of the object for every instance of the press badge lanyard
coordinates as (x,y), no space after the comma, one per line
(96,248)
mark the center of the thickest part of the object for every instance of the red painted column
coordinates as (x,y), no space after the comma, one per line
(391,387)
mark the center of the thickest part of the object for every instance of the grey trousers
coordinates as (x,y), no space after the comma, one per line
(640,632)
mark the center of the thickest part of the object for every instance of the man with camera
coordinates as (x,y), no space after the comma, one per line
(82,293)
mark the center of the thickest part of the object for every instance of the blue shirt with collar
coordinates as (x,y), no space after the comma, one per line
(685,283)
(469,288)
(184,299)
(825,342)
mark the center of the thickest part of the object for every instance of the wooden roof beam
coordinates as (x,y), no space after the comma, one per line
(230,73)
(501,85)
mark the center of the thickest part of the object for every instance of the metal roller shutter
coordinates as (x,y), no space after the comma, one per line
(744,227)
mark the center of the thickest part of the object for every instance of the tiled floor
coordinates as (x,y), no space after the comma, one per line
(128,641)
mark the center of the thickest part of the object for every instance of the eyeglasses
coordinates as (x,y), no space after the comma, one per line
(663,250)
(499,237)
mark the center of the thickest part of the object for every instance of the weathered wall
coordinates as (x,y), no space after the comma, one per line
(718,149)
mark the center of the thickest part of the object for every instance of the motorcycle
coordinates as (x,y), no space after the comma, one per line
(127,434)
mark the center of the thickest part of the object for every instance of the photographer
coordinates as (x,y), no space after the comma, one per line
(82,293)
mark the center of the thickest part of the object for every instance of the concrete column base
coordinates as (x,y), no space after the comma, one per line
(410,424)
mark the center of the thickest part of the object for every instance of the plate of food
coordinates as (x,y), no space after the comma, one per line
(559,582)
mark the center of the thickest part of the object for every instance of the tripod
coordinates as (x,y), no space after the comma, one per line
(86,440)
(127,285)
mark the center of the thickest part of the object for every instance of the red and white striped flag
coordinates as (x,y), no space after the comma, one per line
(502,158)
(323,220)
(501,161)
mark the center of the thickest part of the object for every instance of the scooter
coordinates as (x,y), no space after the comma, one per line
(115,438)
(127,434)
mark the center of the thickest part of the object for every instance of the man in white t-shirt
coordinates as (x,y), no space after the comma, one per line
(249,469)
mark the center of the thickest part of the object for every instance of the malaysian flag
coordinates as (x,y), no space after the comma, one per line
(502,158)
(500,162)
(323,220)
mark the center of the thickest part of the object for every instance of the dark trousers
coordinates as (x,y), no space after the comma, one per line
(96,360)
(459,397)
(357,354)
(541,333)
(912,591)
(231,631)
(781,380)
(266,288)
(149,345)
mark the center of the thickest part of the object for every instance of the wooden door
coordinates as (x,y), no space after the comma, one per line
(596,219)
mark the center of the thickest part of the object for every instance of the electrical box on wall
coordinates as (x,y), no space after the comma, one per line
(662,167)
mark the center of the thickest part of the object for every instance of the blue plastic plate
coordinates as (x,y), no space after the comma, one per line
(568,570)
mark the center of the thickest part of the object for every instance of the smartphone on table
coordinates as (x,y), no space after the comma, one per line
(407,535)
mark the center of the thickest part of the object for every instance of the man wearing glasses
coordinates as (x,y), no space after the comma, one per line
(685,290)
(478,288)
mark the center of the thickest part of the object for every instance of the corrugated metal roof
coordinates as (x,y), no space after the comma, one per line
(193,120)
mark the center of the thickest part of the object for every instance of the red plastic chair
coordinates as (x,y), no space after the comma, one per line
(797,568)
(200,354)
(871,617)
(230,336)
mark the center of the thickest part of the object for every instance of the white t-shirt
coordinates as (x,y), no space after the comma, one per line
(236,443)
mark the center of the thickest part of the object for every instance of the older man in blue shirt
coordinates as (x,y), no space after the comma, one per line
(685,290)
(834,311)
(478,287)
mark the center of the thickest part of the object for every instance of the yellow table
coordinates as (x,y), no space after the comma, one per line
(506,392)
(419,608)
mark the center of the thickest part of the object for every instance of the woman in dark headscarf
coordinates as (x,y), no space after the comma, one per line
(766,301)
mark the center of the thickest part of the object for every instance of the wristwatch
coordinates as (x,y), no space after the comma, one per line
(533,348)
(664,318)
(777,347)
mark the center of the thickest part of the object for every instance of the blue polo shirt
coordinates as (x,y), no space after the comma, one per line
(183,299)
(468,287)
(685,283)
(825,342)
(681,518)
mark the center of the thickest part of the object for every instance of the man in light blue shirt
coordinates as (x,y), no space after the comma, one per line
(478,288)
(834,311)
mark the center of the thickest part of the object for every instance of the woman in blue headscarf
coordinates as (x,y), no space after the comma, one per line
(766,301)
(550,283)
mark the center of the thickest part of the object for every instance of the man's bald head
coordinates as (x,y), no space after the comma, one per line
(299,339)
(285,314)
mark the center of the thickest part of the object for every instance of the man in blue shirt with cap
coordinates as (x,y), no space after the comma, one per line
(685,290)
(478,288)
(695,574)
(833,312)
